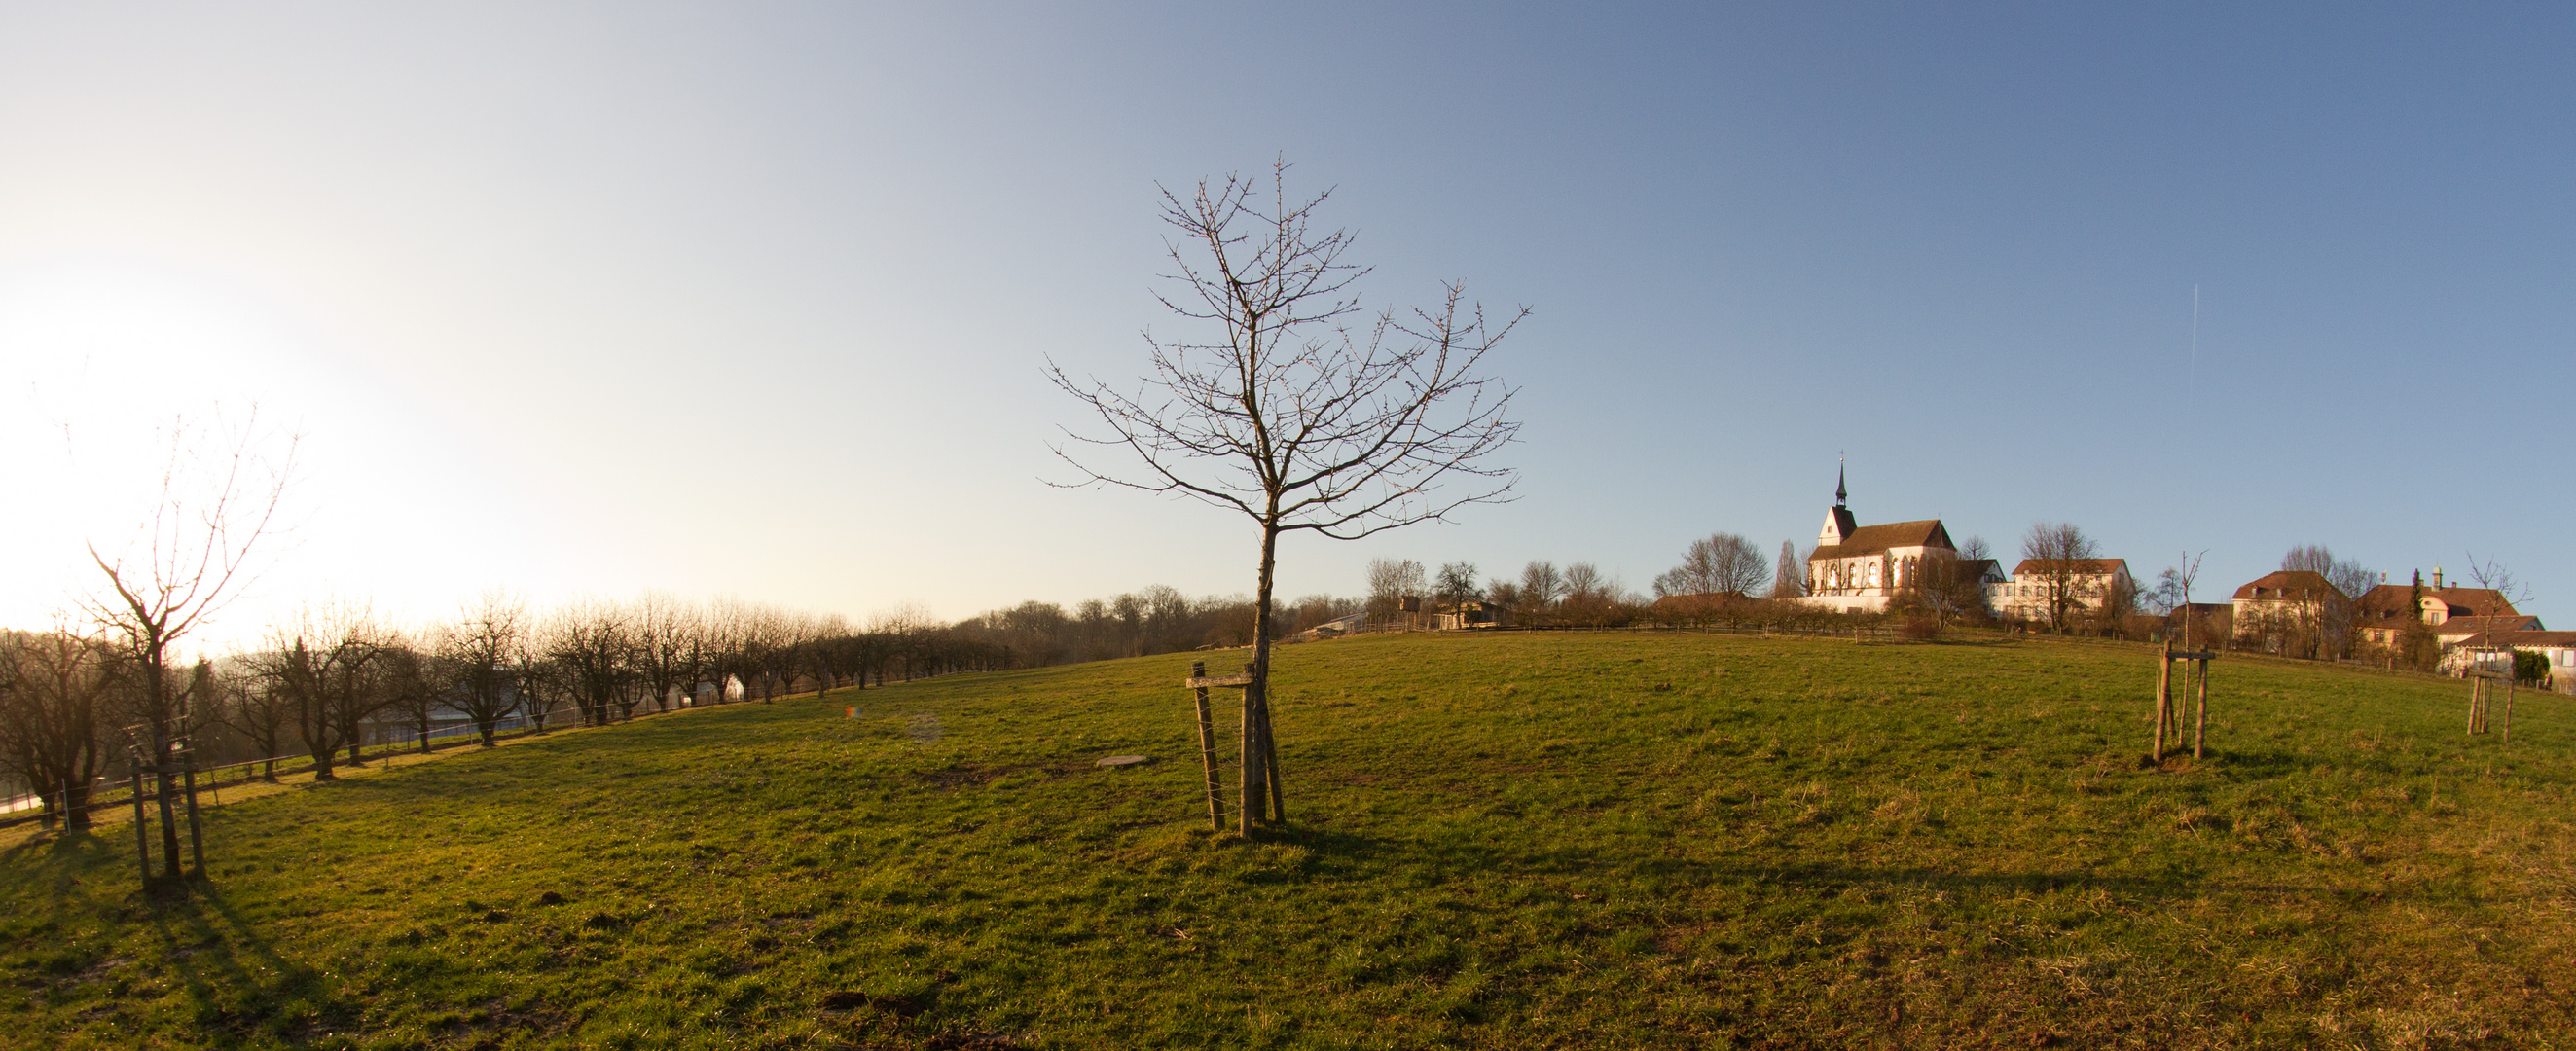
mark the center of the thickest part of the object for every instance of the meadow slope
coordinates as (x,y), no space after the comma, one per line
(1557,840)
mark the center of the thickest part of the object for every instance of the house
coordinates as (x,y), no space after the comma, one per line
(2086,583)
(2486,650)
(2286,608)
(1473,613)
(2456,632)
(2386,612)
(1334,629)
(1858,568)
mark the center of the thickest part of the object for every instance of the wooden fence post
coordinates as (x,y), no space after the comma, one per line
(1207,752)
(1270,754)
(1251,809)
(142,838)
(2164,700)
(2507,736)
(2200,722)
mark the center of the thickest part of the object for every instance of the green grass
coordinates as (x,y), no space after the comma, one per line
(1521,841)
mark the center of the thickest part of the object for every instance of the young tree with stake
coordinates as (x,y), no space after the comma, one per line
(1289,416)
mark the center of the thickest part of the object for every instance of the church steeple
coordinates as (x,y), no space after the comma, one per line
(1838,520)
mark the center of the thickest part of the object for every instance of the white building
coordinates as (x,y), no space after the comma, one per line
(1858,568)
(2085,582)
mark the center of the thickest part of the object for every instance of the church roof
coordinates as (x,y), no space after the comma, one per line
(1872,539)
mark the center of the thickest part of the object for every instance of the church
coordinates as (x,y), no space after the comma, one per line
(1858,568)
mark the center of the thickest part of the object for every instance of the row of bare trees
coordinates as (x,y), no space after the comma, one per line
(1157,619)
(339,678)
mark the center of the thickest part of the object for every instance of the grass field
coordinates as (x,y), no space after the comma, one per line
(1521,841)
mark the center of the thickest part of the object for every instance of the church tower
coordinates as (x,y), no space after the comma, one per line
(1838,522)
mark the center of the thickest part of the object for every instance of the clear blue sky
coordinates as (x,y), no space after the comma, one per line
(752,298)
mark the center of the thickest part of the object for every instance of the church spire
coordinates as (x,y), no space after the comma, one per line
(1841,496)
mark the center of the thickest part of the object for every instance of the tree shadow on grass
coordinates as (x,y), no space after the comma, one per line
(242,991)
(62,858)
(1338,853)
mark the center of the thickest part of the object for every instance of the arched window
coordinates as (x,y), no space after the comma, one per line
(1873,574)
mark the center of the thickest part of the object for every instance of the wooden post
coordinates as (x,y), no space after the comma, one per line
(1207,752)
(1270,754)
(2200,721)
(1256,786)
(2507,736)
(142,839)
(2164,700)
(196,837)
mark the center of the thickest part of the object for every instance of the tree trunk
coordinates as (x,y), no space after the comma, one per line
(1257,746)
(75,805)
(484,726)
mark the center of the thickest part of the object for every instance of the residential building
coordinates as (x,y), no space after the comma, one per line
(2489,651)
(2385,612)
(2037,583)
(2293,611)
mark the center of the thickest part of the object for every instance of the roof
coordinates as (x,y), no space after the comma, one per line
(2285,584)
(2523,639)
(2391,601)
(2100,566)
(2464,626)
(1870,540)
(1982,570)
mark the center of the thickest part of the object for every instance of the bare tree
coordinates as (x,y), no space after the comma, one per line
(55,692)
(2056,555)
(416,684)
(250,705)
(480,649)
(1723,563)
(1291,418)
(1456,585)
(665,657)
(323,667)
(593,644)
(1542,587)
(1390,582)
(1788,579)
(220,494)
(2336,622)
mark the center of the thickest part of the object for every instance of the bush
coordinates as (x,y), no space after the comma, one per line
(2530,666)
(1920,629)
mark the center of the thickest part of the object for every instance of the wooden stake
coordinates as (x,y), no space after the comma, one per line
(2164,700)
(2507,737)
(1270,760)
(142,839)
(1255,788)
(1207,752)
(196,838)
(2200,725)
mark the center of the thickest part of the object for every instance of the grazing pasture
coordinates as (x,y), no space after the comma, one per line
(1522,840)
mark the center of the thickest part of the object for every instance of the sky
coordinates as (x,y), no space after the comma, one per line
(754,299)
